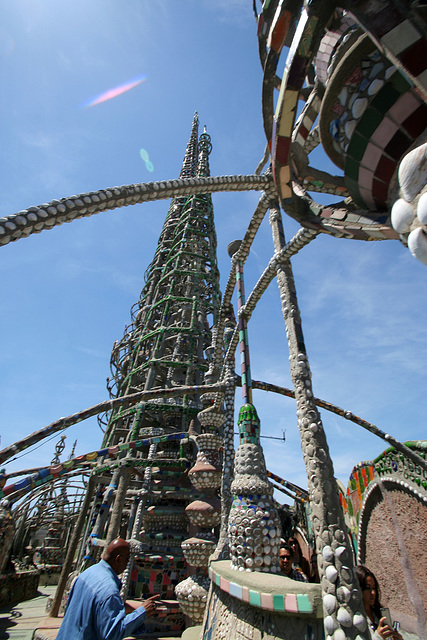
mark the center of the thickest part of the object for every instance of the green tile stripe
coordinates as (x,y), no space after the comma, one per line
(254,598)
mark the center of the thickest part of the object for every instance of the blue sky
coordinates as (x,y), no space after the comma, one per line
(66,293)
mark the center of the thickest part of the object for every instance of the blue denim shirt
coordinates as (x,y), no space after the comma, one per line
(95,610)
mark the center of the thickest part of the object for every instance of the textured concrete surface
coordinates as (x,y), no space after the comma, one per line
(396,533)
(20,620)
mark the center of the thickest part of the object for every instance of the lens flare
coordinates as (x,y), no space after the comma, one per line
(146,158)
(113,93)
(144,155)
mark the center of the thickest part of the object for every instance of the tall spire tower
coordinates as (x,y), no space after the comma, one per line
(165,344)
(164,347)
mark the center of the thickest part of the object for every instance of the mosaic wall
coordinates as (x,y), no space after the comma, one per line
(386,511)
(18,586)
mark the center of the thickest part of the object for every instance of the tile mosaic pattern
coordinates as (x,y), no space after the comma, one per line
(46,475)
(249,425)
(328,44)
(389,126)
(398,35)
(336,220)
(360,478)
(287,603)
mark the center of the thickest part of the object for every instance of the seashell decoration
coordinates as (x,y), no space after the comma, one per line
(206,473)
(197,550)
(253,527)
(192,595)
(409,212)
(204,513)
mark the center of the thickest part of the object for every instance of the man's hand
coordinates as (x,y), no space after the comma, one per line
(150,604)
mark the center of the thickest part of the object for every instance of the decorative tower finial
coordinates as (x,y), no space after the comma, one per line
(253,527)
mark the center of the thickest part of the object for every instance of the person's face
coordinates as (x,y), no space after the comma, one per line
(122,560)
(313,562)
(285,561)
(369,593)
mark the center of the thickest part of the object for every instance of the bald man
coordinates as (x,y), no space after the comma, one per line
(95,610)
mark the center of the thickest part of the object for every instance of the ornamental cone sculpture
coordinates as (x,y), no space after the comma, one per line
(253,526)
(205,513)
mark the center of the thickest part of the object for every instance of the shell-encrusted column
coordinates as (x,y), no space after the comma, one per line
(342,603)
(206,473)
(192,595)
(253,526)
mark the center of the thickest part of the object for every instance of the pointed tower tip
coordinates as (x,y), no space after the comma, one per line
(189,165)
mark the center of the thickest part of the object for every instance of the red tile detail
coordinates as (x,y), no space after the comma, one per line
(398,145)
(380,192)
(385,169)
(302,130)
(383,21)
(280,30)
(354,78)
(415,58)
(283,146)
(417,121)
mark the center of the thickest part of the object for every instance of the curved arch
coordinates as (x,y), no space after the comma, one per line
(392,532)
(49,215)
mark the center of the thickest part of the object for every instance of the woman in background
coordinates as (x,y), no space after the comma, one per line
(378,626)
(298,560)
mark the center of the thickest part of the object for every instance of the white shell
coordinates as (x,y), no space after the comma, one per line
(375,86)
(402,216)
(329,624)
(359,621)
(344,617)
(359,107)
(343,594)
(349,128)
(327,553)
(413,172)
(422,209)
(331,573)
(329,602)
(417,243)
(340,635)
(340,552)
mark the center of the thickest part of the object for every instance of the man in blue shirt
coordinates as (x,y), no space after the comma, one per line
(95,610)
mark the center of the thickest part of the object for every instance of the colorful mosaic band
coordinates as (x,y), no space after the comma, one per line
(299,603)
(49,473)
(243,337)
